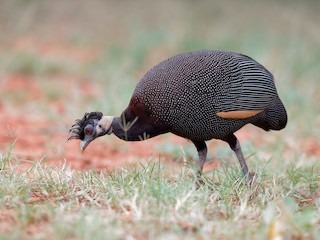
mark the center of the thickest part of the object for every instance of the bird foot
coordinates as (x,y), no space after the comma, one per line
(251,177)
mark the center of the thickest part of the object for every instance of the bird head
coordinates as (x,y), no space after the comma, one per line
(91,126)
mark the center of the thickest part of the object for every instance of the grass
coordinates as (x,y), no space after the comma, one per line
(150,200)
(143,201)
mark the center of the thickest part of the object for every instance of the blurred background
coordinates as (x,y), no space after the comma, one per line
(60,59)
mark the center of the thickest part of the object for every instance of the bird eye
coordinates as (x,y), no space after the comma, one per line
(88,130)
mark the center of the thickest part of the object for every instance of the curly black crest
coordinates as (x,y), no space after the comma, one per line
(77,129)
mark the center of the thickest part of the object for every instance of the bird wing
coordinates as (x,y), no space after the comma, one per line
(251,89)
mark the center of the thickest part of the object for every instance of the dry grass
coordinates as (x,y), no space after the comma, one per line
(56,202)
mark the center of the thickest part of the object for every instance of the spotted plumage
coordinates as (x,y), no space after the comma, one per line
(199,96)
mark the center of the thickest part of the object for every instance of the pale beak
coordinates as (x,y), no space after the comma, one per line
(84,144)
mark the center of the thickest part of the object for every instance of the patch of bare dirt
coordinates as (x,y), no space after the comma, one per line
(33,140)
(38,123)
(36,134)
(7,220)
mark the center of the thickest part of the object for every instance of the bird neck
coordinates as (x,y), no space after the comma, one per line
(124,130)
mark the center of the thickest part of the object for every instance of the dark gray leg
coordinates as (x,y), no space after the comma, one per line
(235,146)
(202,153)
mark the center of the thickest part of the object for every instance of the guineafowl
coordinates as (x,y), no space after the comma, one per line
(197,95)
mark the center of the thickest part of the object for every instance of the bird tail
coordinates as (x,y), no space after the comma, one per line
(273,118)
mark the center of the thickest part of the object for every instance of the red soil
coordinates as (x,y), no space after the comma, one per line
(38,135)
(38,123)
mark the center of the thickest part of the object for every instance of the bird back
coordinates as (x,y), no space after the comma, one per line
(206,94)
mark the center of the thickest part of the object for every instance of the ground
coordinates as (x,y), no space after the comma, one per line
(36,136)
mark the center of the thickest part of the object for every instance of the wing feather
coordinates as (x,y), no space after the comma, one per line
(252,87)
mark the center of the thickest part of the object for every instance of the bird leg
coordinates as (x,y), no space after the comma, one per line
(202,153)
(235,146)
